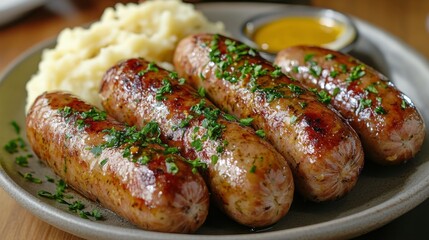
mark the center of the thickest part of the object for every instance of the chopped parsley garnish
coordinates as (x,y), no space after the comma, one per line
(380,110)
(296,89)
(96,150)
(214,159)
(11,147)
(343,68)
(197,144)
(66,111)
(372,89)
(308,57)
(303,104)
(173,75)
(166,88)
(336,91)
(293,119)
(76,206)
(260,133)
(230,69)
(252,169)
(14,145)
(29,177)
(171,150)
(404,104)
(214,129)
(365,103)
(356,73)
(151,67)
(197,163)
(277,72)
(229,117)
(201,92)
(185,122)
(323,96)
(272,94)
(143,160)
(50,179)
(92,114)
(295,69)
(15,127)
(379,100)
(246,121)
(22,161)
(171,166)
(259,71)
(329,56)
(315,70)
(181,81)
(333,73)
(103,162)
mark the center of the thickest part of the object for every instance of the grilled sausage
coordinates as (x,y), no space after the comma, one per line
(151,188)
(391,129)
(249,180)
(324,153)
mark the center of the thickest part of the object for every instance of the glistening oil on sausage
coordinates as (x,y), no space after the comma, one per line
(390,127)
(126,170)
(248,179)
(324,152)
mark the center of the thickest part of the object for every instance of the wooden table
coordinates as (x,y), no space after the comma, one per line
(407,20)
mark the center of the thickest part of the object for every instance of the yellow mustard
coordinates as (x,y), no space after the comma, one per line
(290,31)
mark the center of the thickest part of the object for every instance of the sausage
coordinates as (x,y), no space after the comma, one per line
(391,129)
(323,151)
(151,188)
(248,179)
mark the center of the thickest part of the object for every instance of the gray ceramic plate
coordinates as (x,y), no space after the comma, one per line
(381,195)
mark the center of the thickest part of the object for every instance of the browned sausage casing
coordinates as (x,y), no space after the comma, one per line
(248,178)
(324,153)
(391,129)
(148,195)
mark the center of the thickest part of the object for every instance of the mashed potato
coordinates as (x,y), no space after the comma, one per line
(82,55)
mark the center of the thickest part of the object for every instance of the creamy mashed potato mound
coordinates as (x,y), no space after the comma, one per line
(82,55)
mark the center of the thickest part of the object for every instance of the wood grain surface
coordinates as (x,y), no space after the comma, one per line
(407,20)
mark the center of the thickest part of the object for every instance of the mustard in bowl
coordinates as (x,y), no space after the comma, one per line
(299,25)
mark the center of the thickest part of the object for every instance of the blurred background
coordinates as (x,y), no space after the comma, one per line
(32,21)
(36,20)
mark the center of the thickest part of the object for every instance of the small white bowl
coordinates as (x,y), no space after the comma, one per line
(344,43)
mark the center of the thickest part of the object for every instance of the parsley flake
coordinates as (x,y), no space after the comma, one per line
(356,73)
(380,110)
(404,104)
(29,177)
(21,161)
(252,169)
(166,88)
(16,127)
(308,57)
(372,89)
(214,159)
(151,67)
(364,103)
(329,56)
(260,133)
(246,121)
(333,73)
(103,162)
(201,92)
